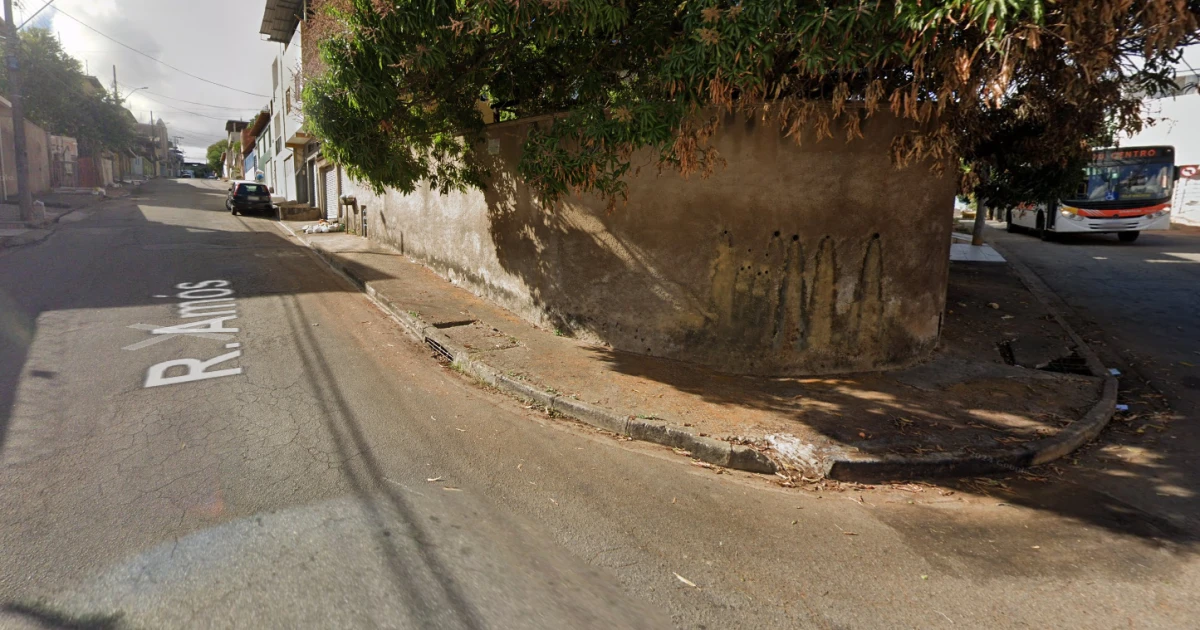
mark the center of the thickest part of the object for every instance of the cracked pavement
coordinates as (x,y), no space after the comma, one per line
(343,479)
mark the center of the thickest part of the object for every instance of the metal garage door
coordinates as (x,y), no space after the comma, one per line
(331,193)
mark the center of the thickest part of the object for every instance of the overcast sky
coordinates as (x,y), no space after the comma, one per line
(214,39)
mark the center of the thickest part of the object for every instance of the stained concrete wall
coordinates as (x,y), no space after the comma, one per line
(817,258)
(37,147)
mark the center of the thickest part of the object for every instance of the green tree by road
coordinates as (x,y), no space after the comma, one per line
(396,96)
(215,151)
(57,100)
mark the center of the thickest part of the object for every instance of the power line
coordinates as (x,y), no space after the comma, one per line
(172,127)
(171,98)
(80,22)
(184,111)
(205,134)
(35,14)
(194,135)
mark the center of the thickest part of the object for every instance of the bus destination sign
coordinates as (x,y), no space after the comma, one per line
(1134,154)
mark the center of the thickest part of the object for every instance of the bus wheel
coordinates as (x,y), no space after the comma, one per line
(1127,237)
(1008,224)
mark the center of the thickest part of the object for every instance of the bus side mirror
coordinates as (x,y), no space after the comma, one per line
(1176,174)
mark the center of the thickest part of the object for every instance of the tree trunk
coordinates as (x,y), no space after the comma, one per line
(980,218)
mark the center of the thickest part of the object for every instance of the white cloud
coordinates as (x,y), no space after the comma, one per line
(214,39)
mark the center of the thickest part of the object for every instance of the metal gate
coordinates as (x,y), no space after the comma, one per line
(331,178)
(63,171)
(88,175)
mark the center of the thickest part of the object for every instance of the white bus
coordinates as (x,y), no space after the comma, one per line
(1124,191)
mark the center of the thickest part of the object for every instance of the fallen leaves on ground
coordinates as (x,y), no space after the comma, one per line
(716,469)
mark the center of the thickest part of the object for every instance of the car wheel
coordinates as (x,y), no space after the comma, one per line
(1128,237)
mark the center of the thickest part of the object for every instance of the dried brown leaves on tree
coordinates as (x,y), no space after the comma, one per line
(629,75)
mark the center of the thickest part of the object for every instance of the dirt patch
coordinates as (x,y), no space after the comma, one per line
(969,396)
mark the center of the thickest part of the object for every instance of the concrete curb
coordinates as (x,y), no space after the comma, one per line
(44,231)
(31,237)
(965,463)
(840,464)
(705,449)
(851,467)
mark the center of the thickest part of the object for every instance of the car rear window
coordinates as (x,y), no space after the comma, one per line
(252,189)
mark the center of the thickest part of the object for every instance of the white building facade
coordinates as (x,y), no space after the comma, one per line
(281,147)
(1177,123)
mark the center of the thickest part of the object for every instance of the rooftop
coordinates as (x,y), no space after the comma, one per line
(280,18)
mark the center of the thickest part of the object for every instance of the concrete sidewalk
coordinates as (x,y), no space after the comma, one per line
(1009,387)
(61,207)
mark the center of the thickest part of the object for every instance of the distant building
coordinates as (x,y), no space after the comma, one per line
(1177,123)
(1177,120)
(164,157)
(93,86)
(233,166)
(252,158)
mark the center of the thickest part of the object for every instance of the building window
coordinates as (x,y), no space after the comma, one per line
(287,101)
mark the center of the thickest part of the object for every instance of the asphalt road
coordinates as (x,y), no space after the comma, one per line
(1138,304)
(326,472)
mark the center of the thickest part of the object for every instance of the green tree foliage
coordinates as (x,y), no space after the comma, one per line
(1003,84)
(215,151)
(57,98)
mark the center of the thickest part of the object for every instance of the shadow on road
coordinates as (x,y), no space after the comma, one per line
(368,484)
(51,619)
(130,250)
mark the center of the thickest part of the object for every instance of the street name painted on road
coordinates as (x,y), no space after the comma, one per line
(211,299)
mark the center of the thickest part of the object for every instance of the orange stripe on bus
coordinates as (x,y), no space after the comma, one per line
(1131,212)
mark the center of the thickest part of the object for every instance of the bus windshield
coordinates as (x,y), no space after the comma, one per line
(1112,182)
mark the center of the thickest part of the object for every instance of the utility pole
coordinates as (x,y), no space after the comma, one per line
(116,94)
(154,143)
(13,45)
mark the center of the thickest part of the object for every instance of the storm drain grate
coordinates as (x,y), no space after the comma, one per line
(1070,364)
(454,324)
(442,351)
(1006,352)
